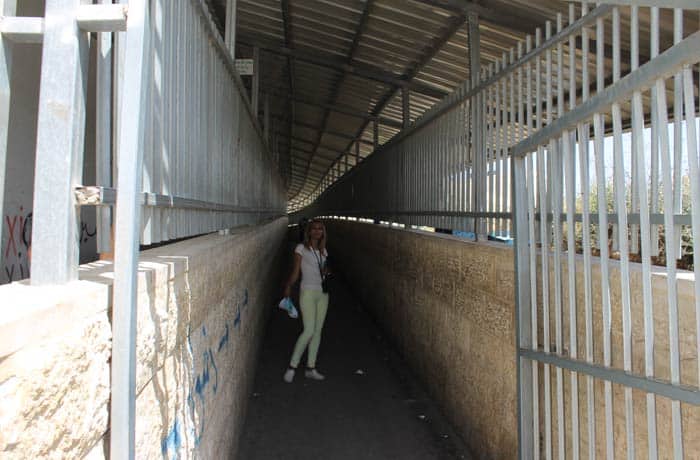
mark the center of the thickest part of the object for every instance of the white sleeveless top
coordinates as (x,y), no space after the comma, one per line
(310,273)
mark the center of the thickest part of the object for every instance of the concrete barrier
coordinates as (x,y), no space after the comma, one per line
(202,305)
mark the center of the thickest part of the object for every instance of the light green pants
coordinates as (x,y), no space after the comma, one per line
(314,305)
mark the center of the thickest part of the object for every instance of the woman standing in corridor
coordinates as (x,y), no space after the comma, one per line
(310,261)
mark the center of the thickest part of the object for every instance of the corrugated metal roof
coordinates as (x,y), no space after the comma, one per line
(349,60)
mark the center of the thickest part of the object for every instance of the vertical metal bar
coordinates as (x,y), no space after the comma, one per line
(570,172)
(544,241)
(497,145)
(694,176)
(255,96)
(634,64)
(7,8)
(60,142)
(545,232)
(599,150)
(512,139)
(556,177)
(674,358)
(478,171)
(670,248)
(525,334)
(525,124)
(492,140)
(147,177)
(654,186)
(677,132)
(583,134)
(569,162)
(604,273)
(131,138)
(230,27)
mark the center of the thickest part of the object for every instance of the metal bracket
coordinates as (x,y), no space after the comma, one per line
(22,29)
(102,18)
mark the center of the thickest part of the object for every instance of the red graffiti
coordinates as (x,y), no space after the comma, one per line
(11,244)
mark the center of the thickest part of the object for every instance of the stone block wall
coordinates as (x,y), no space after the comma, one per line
(449,306)
(202,304)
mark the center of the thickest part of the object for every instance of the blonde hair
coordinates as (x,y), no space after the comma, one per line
(307,235)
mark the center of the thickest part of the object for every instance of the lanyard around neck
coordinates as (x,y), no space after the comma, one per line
(319,259)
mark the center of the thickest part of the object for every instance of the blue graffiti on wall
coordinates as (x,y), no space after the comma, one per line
(205,381)
(244,304)
(224,340)
(201,383)
(170,446)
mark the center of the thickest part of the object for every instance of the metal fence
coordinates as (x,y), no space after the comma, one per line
(581,323)
(180,151)
(204,162)
(595,144)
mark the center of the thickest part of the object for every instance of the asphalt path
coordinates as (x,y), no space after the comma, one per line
(370,406)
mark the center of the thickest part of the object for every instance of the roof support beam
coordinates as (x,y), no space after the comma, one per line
(452,27)
(301,124)
(339,82)
(497,17)
(349,111)
(356,69)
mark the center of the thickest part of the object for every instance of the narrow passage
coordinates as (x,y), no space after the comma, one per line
(369,407)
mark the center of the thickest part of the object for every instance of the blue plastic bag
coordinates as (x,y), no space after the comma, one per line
(287,305)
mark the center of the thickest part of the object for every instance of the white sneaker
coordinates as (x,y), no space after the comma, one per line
(289,375)
(313,374)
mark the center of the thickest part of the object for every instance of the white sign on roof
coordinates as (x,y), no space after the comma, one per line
(244,66)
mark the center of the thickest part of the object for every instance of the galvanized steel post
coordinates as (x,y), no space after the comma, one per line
(60,142)
(128,213)
(7,8)
(103,135)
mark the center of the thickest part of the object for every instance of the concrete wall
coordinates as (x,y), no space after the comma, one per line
(449,306)
(202,307)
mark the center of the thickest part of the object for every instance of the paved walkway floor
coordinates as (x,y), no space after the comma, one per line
(369,407)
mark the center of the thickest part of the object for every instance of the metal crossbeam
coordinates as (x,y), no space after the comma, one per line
(102,18)
(339,82)
(666,389)
(22,29)
(356,69)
